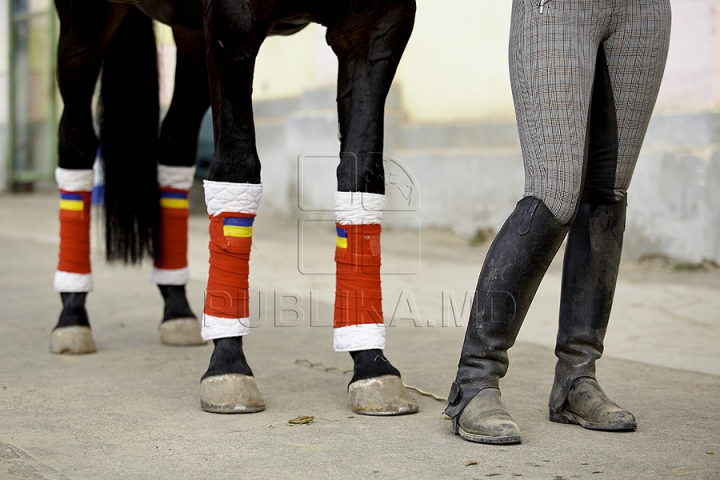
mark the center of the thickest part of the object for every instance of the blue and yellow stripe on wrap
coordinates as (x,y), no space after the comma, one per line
(341,241)
(174,200)
(71,201)
(238,226)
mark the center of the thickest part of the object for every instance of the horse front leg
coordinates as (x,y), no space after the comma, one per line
(369,47)
(233,32)
(176,171)
(79,58)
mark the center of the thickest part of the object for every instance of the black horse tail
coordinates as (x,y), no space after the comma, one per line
(129,118)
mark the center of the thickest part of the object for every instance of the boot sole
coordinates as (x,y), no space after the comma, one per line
(473,437)
(566,417)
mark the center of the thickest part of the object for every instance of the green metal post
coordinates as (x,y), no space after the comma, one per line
(53,128)
(11,96)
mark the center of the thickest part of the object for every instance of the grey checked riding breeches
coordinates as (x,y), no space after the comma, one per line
(585,75)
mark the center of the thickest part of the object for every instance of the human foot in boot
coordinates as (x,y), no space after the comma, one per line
(587,405)
(485,420)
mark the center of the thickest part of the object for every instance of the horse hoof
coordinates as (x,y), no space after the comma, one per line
(72,340)
(181,331)
(230,393)
(385,395)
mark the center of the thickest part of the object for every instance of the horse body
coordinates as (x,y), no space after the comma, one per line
(177,14)
(218,40)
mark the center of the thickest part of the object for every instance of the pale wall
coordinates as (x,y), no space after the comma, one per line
(455,67)
(692,76)
(285,67)
(4,84)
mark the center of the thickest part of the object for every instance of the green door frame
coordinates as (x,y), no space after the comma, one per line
(24,180)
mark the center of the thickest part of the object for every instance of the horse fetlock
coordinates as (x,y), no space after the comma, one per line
(73,312)
(176,303)
(228,358)
(371,363)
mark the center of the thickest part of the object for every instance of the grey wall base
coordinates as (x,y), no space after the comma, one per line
(466,177)
(674,198)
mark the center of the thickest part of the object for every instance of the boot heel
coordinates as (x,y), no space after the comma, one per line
(560,417)
(454,425)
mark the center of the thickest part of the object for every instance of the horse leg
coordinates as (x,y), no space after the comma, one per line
(369,45)
(176,170)
(79,57)
(233,32)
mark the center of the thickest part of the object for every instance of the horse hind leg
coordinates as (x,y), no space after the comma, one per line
(176,172)
(72,333)
(381,32)
(79,59)
(179,326)
(84,36)
(73,277)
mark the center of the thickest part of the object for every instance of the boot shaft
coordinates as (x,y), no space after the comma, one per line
(511,274)
(590,269)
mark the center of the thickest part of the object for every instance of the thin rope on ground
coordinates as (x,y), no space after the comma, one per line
(327,369)
(343,371)
(427,394)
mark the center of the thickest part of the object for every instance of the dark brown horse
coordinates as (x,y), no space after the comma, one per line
(147,177)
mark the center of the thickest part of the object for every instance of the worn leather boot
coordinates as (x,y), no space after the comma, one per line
(485,420)
(590,269)
(513,268)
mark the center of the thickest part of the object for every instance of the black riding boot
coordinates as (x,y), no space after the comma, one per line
(590,271)
(510,276)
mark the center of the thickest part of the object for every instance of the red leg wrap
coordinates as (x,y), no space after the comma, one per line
(174,213)
(74,232)
(227,287)
(358,294)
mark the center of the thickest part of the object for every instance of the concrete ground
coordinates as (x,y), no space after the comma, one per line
(132,409)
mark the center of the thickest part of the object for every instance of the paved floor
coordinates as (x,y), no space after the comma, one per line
(132,409)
